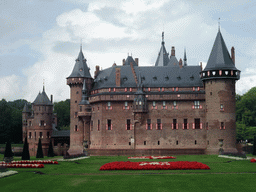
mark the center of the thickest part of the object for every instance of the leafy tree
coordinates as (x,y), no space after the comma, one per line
(39,153)
(62,109)
(25,153)
(50,151)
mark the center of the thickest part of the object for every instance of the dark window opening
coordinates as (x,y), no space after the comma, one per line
(75,101)
(207,125)
(48,134)
(174,123)
(208,142)
(148,124)
(197,123)
(98,125)
(30,135)
(128,124)
(80,108)
(177,142)
(91,125)
(129,143)
(158,123)
(185,123)
(145,143)
(41,134)
(109,124)
(222,125)
(158,142)
(41,123)
(76,128)
(210,93)
(195,142)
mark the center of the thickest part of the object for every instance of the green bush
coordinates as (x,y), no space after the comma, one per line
(25,153)
(39,153)
(254,146)
(50,151)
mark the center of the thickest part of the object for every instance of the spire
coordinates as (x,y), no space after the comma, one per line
(219,58)
(163,56)
(43,85)
(219,24)
(185,58)
(26,109)
(84,100)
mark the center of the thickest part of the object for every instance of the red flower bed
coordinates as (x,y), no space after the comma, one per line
(153,157)
(178,165)
(253,160)
(12,165)
(34,162)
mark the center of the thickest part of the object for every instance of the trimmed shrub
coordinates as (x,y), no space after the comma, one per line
(254,146)
(39,153)
(8,154)
(50,150)
(25,153)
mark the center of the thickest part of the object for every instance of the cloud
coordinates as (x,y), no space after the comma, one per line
(10,87)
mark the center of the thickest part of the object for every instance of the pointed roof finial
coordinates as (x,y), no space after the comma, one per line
(185,57)
(43,85)
(219,24)
(162,36)
(81,45)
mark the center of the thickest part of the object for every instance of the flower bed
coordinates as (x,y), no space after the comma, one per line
(253,160)
(12,165)
(35,162)
(178,165)
(152,157)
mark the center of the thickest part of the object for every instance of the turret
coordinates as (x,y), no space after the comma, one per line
(163,56)
(26,113)
(219,77)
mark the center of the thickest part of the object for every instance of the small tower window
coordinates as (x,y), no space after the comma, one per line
(197,123)
(196,104)
(41,134)
(128,124)
(174,104)
(98,125)
(164,105)
(221,107)
(76,128)
(145,143)
(48,134)
(80,108)
(109,124)
(159,124)
(174,124)
(185,126)
(77,92)
(148,124)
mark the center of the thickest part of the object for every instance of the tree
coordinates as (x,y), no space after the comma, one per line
(39,153)
(254,146)
(50,150)
(62,109)
(8,154)
(25,153)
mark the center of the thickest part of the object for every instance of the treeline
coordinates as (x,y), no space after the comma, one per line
(11,118)
(246,115)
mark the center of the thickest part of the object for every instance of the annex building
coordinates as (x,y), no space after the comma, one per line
(170,108)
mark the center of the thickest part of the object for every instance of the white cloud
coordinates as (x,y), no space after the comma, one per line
(10,87)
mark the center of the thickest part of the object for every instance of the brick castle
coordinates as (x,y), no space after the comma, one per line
(169,108)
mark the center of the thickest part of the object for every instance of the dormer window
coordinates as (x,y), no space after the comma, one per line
(154,78)
(81,69)
(166,78)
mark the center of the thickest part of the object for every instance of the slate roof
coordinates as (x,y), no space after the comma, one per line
(130,60)
(84,100)
(26,109)
(42,99)
(163,57)
(62,133)
(219,58)
(80,69)
(152,76)
(173,61)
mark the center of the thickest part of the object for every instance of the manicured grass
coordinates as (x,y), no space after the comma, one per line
(84,175)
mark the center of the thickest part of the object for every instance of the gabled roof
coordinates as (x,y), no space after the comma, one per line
(42,99)
(219,58)
(81,69)
(26,109)
(130,60)
(173,61)
(163,57)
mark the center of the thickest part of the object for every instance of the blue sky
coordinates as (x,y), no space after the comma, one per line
(40,39)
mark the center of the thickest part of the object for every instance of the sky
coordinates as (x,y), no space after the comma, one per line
(40,39)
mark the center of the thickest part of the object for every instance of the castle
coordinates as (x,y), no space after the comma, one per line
(169,108)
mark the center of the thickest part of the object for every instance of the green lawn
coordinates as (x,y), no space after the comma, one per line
(84,175)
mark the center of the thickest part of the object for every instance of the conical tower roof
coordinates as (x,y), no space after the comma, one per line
(163,56)
(219,58)
(80,69)
(42,99)
(26,109)
(130,60)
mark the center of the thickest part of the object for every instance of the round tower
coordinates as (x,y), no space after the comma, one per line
(79,75)
(25,117)
(219,77)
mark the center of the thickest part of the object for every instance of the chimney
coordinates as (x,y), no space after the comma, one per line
(97,70)
(180,63)
(233,54)
(137,61)
(201,65)
(118,77)
(114,64)
(123,61)
(51,98)
(173,51)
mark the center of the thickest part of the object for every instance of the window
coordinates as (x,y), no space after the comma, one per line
(41,123)
(75,114)
(195,142)
(109,107)
(145,142)
(80,108)
(177,142)
(48,134)
(39,108)
(129,143)
(159,124)
(91,125)
(41,135)
(164,105)
(175,105)
(30,123)
(222,126)
(109,125)
(76,128)
(75,101)
(30,135)
(98,125)
(185,125)
(210,93)
(126,105)
(174,124)
(148,124)
(196,104)
(35,135)
(197,123)
(158,142)
(207,125)
(128,124)
(77,92)
(130,89)
(221,107)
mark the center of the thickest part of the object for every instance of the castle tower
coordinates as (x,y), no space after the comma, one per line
(26,113)
(79,75)
(40,125)
(219,77)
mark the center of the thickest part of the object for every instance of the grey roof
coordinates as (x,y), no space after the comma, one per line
(62,133)
(84,100)
(42,99)
(219,57)
(173,61)
(130,60)
(80,69)
(26,109)
(154,76)
(163,57)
